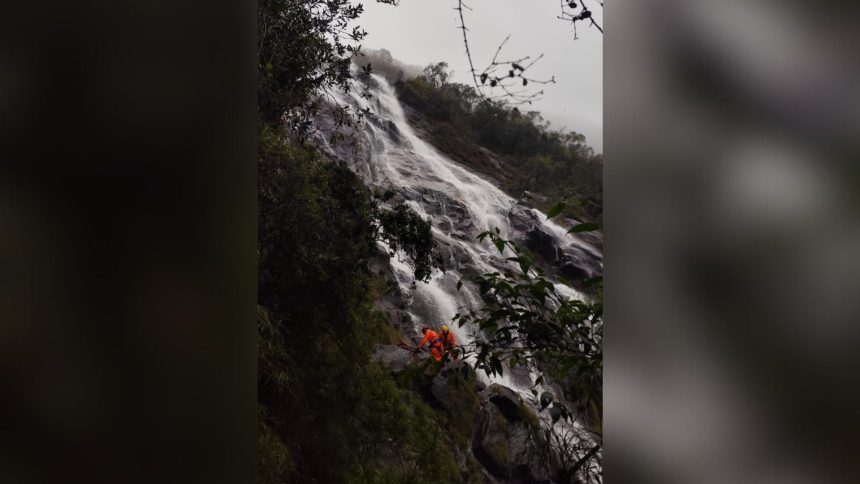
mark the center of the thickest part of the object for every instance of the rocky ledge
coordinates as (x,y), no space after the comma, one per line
(503,440)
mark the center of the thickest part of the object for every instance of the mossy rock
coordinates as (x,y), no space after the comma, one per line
(455,389)
(498,452)
(507,438)
(490,441)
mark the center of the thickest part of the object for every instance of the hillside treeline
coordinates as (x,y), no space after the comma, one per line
(518,148)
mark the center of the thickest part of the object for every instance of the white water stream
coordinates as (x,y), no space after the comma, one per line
(460,205)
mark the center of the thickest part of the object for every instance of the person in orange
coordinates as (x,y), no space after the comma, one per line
(436,346)
(449,341)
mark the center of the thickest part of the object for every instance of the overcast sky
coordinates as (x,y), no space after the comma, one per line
(424,31)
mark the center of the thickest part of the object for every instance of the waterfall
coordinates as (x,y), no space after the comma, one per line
(460,205)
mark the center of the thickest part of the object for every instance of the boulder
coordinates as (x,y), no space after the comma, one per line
(440,205)
(506,400)
(571,262)
(455,388)
(525,457)
(522,218)
(507,440)
(573,272)
(394,358)
(542,243)
(490,441)
(577,264)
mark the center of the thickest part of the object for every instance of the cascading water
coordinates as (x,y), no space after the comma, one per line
(460,205)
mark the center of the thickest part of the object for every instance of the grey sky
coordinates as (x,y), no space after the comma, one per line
(424,31)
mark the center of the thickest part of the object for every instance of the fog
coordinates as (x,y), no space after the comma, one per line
(421,32)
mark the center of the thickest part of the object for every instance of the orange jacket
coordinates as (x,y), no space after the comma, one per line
(448,340)
(433,338)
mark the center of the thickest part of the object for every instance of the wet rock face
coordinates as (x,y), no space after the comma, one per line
(506,438)
(393,301)
(521,218)
(456,388)
(394,358)
(490,441)
(573,263)
(573,272)
(448,214)
(459,371)
(453,255)
(392,130)
(506,401)
(542,243)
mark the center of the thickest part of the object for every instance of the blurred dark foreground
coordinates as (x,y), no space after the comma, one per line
(127,242)
(127,214)
(732,242)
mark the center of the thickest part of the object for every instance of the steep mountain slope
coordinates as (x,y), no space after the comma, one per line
(391,157)
(345,273)
(519,149)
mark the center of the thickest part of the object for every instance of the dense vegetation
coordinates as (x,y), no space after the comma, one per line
(525,155)
(528,323)
(327,413)
(525,320)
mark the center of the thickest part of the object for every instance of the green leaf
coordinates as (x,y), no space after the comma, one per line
(589,227)
(523,261)
(500,244)
(524,265)
(497,366)
(545,399)
(555,210)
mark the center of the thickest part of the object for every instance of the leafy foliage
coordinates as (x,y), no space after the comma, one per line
(437,74)
(527,322)
(327,413)
(578,228)
(404,230)
(300,50)
(304,47)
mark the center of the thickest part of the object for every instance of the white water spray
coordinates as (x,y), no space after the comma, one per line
(460,205)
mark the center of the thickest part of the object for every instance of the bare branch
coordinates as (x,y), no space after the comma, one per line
(459,8)
(501,74)
(568,14)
